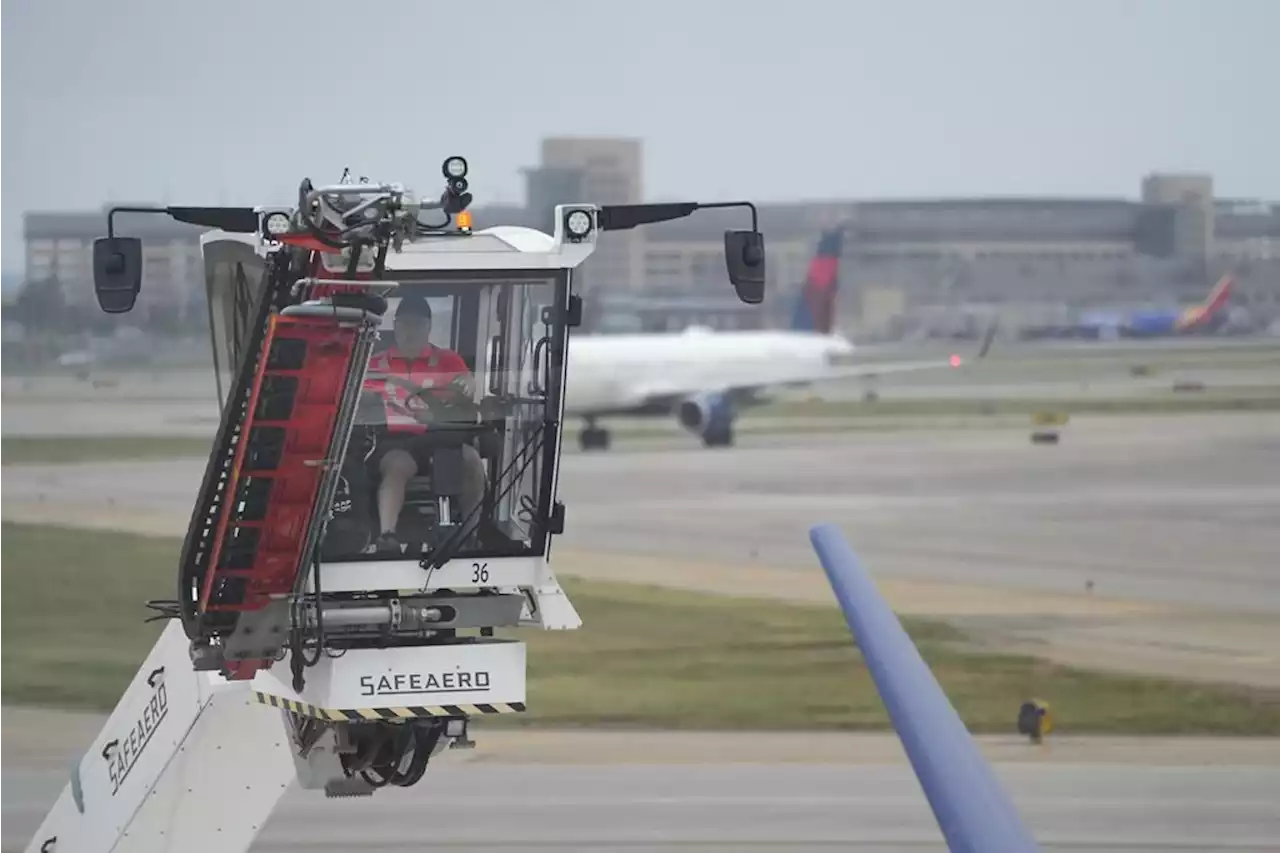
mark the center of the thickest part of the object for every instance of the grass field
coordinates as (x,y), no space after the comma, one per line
(73,636)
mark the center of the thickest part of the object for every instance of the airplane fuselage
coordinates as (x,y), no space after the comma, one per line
(617,373)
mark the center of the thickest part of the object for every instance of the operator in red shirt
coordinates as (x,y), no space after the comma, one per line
(411,364)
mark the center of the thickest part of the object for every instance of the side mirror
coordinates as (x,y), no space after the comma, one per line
(117,272)
(744,257)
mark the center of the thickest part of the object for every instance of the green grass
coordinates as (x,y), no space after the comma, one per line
(673,659)
(73,637)
(33,450)
(73,629)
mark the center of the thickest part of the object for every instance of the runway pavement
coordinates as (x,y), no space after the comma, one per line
(759,808)
(1174,520)
(148,401)
(1173,509)
(78,417)
(1151,543)
(531,790)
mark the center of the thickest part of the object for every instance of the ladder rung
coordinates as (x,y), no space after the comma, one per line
(305,378)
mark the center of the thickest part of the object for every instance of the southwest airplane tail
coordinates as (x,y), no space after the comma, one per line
(1198,316)
(1157,323)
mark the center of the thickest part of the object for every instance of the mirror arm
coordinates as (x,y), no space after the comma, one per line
(111,216)
(755,216)
(621,217)
(235,219)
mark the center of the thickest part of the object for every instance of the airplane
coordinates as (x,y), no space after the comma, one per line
(701,376)
(1147,323)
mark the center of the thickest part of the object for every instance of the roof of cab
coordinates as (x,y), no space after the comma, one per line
(497,247)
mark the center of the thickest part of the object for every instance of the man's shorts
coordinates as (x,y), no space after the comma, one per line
(416,444)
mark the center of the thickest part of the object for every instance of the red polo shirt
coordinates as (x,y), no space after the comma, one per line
(434,366)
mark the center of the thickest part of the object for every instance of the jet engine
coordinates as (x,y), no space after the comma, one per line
(709,416)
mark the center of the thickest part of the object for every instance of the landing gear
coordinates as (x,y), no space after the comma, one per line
(593,437)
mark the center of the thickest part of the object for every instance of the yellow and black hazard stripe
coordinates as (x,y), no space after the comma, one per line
(409,712)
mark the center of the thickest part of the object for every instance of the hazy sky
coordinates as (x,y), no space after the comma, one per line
(234,102)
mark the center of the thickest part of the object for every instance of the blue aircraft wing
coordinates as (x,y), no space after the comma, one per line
(972,808)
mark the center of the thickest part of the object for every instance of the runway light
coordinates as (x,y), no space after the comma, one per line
(955,361)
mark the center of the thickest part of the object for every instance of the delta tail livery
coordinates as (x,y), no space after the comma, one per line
(701,376)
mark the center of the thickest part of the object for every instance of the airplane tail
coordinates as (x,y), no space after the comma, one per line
(815,309)
(1211,307)
(1219,296)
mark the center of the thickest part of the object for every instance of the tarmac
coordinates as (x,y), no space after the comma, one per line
(669,792)
(1138,543)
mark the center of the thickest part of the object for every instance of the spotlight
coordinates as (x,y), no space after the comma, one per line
(578,224)
(275,224)
(455,167)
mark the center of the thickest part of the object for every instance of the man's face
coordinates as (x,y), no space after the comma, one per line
(413,333)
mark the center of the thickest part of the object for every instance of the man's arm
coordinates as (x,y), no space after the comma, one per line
(463,378)
(450,364)
(399,381)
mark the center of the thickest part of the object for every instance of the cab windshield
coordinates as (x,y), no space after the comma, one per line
(453,444)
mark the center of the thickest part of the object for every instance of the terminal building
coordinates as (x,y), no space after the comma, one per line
(909,263)
(906,264)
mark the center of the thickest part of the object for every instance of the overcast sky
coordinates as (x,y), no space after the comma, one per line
(234,102)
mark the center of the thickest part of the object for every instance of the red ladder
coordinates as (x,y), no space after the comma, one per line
(299,418)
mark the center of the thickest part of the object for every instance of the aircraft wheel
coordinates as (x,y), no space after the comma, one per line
(593,438)
(722,437)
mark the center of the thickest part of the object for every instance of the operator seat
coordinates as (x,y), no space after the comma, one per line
(448,468)
(422,510)
(421,495)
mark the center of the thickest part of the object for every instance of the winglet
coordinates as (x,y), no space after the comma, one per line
(987,339)
(973,810)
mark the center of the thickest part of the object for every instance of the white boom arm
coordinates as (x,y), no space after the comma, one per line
(191,762)
(169,770)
